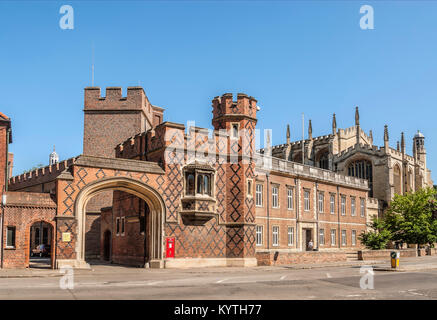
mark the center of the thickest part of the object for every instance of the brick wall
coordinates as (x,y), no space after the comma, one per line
(384,254)
(128,246)
(313,219)
(313,257)
(23,209)
(92,235)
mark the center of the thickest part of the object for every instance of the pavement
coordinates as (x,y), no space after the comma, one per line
(327,281)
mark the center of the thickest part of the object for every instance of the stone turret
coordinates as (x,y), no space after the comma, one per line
(334,124)
(386,146)
(288,134)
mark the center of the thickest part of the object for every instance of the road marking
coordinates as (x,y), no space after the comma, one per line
(152,283)
(283,277)
(328,275)
(220,281)
(353,295)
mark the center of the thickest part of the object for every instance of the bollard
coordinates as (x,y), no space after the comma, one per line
(395,259)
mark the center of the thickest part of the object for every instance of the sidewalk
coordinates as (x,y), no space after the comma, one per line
(29,273)
(406,264)
(409,264)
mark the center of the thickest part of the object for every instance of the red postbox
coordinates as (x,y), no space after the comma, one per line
(169,246)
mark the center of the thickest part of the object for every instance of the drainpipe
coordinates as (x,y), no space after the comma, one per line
(2,229)
(297,201)
(316,236)
(8,134)
(268,211)
(338,214)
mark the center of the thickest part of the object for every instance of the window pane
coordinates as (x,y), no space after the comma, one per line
(190,184)
(322,236)
(290,236)
(259,198)
(10,237)
(200,183)
(206,184)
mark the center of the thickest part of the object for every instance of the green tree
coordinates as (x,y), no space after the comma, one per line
(410,217)
(378,237)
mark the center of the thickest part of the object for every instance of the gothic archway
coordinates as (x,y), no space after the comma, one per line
(132,186)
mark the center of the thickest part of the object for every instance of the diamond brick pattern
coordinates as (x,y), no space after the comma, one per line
(198,241)
(82,174)
(235,191)
(68,200)
(221,191)
(100,174)
(66,250)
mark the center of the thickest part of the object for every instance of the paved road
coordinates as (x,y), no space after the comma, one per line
(115,282)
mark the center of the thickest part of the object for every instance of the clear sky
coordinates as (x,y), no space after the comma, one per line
(293,56)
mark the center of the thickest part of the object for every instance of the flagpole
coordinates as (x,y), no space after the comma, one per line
(303,139)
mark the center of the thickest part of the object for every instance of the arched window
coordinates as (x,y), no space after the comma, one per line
(190,184)
(199,184)
(206,184)
(397,179)
(324,161)
(362,169)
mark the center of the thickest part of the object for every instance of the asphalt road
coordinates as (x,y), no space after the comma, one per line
(115,282)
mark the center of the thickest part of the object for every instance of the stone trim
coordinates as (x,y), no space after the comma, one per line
(119,164)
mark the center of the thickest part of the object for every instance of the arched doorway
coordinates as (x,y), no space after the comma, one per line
(155,218)
(107,237)
(41,245)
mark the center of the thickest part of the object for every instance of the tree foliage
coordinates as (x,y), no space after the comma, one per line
(410,217)
(378,237)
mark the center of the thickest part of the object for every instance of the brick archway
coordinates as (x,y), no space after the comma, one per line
(125,184)
(27,239)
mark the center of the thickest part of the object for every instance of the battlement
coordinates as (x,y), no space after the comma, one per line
(225,105)
(40,175)
(361,147)
(372,203)
(135,99)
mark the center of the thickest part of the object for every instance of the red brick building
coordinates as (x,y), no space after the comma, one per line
(152,193)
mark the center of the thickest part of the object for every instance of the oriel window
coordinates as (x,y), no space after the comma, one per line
(198,183)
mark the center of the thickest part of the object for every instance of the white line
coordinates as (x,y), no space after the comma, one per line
(283,277)
(220,281)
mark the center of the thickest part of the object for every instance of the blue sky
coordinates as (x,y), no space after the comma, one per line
(293,56)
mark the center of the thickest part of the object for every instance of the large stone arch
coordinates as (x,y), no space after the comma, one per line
(129,185)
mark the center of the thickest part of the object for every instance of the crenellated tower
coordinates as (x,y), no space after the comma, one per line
(110,120)
(238,118)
